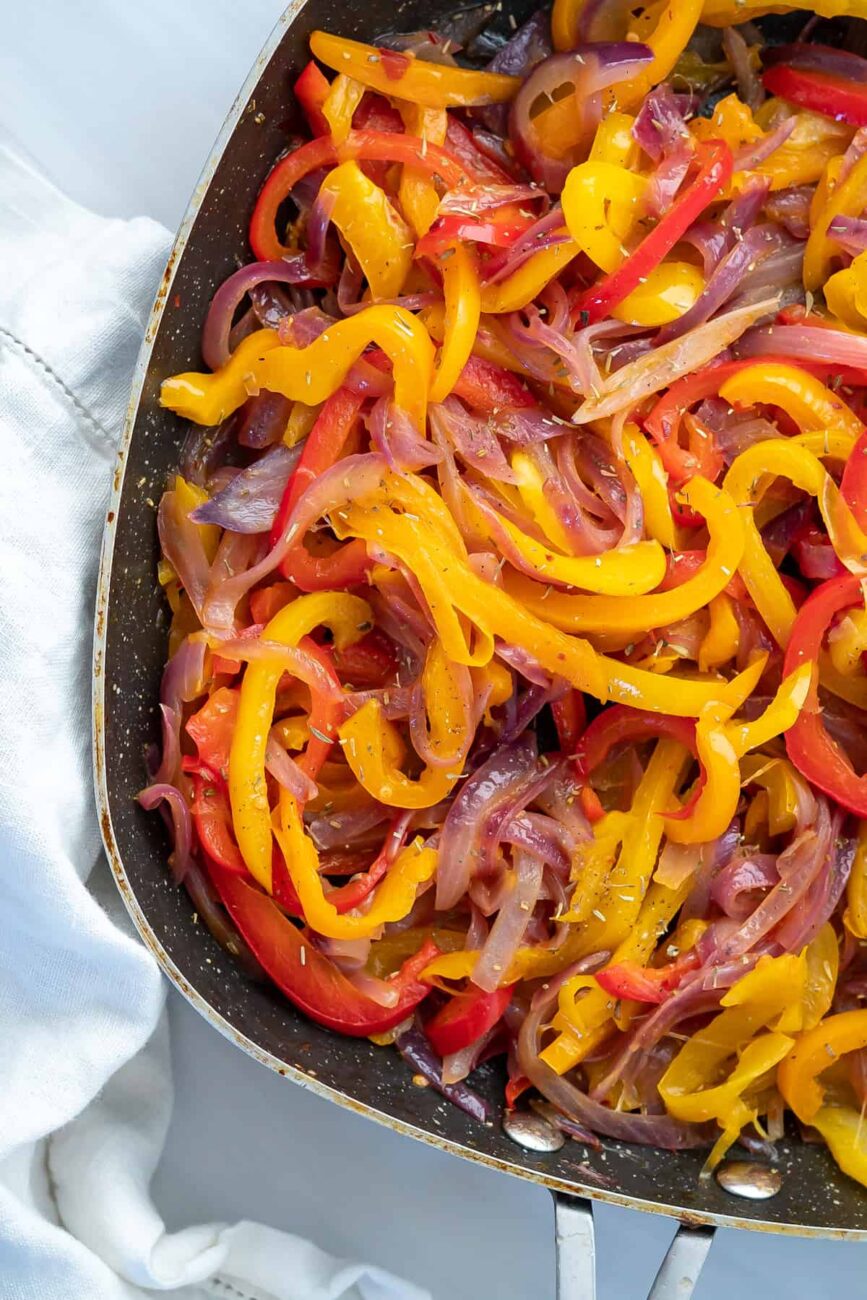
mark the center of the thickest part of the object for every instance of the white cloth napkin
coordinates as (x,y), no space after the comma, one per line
(85,1087)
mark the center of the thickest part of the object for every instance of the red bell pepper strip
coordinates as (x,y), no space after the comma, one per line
(309,980)
(365,146)
(311,91)
(466,1018)
(808,744)
(268,601)
(375,113)
(212,818)
(622,725)
(853,485)
(212,729)
(452,229)
(368,663)
(591,805)
(354,892)
(347,565)
(570,719)
(485,386)
(326,713)
(633,983)
(461,144)
(715,170)
(681,565)
(820,92)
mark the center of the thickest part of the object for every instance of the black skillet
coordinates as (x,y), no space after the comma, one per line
(815,1199)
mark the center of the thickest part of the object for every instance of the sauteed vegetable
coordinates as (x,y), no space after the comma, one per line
(516,693)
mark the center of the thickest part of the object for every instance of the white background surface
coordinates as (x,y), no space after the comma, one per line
(120,101)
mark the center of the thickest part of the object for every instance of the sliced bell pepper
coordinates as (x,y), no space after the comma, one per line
(855,916)
(380,239)
(822,92)
(247,787)
(853,485)
(674,23)
(212,817)
(801,395)
(621,725)
(721,642)
(808,743)
(311,91)
(658,609)
(344,96)
(212,728)
(417,193)
(518,290)
(845,1132)
(313,373)
(466,1018)
(570,719)
(631,982)
(462,310)
(714,160)
(843,198)
(365,145)
(306,976)
(485,386)
(403,76)
(814,1052)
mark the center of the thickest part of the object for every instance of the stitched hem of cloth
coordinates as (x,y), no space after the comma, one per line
(224,1290)
(35,360)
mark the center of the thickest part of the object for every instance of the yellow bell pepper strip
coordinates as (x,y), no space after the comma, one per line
(675,22)
(847,198)
(445,576)
(711,811)
(603,204)
(609,613)
(402,76)
(391,901)
(380,239)
(845,1132)
(722,639)
(520,288)
(723,13)
(338,108)
(855,916)
(815,1051)
(744,482)
(370,746)
(847,643)
(652,481)
(188,497)
(531,488)
(688,1090)
(313,373)
(846,293)
(345,615)
(565,17)
(777,778)
(809,402)
(792,992)
(417,193)
(630,571)
(592,865)
(463,307)
(720,745)
(614,141)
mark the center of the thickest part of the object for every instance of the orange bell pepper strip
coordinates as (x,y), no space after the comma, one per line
(417,193)
(379,237)
(403,76)
(338,107)
(462,310)
(809,402)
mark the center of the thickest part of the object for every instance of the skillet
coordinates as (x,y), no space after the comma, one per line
(815,1199)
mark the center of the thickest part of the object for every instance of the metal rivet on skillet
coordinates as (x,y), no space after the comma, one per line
(532,1131)
(748,1179)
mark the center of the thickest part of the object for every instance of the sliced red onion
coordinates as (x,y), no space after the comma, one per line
(204,449)
(511,923)
(182,824)
(821,900)
(543,836)
(249,503)
(318,223)
(818,58)
(750,88)
(271,304)
(815,343)
(263,420)
(424,45)
(472,436)
(337,829)
(588,70)
(394,435)
(850,233)
(538,333)
(791,208)
(472,201)
(458,1065)
(743,875)
(549,230)
(293,269)
(526,48)
(286,771)
(649,1130)
(418,1053)
(182,546)
(752,155)
(182,681)
(522,662)
(658,369)
(740,262)
(660,128)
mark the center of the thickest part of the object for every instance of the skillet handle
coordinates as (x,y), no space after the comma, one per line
(576,1255)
